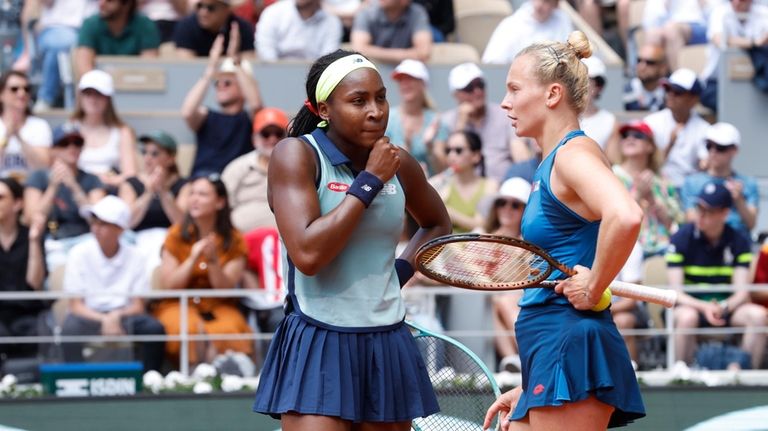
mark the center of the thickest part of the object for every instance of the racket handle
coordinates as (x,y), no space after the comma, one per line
(665,297)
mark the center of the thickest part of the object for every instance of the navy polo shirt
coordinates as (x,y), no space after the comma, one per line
(704,263)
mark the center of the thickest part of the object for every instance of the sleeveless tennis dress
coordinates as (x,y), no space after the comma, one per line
(566,354)
(343,349)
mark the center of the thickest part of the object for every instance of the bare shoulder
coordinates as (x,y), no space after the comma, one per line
(291,154)
(582,149)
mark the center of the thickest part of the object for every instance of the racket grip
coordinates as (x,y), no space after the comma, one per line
(665,297)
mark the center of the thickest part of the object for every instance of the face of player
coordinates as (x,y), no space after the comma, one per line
(357,110)
(204,202)
(525,98)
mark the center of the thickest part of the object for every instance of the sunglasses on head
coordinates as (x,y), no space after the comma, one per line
(474,85)
(210,7)
(457,150)
(711,145)
(649,61)
(267,133)
(515,205)
(634,134)
(16,88)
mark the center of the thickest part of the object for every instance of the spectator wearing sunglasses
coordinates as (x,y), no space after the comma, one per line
(224,134)
(639,171)
(504,218)
(535,21)
(246,176)
(644,92)
(61,194)
(156,196)
(501,146)
(25,140)
(196,34)
(678,130)
(723,141)
(118,29)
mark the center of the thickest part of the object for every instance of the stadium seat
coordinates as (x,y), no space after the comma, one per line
(476,25)
(453,53)
(693,57)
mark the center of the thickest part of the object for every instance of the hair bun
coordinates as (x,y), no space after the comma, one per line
(580,45)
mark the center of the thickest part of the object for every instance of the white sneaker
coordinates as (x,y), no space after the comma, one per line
(41,106)
(510,363)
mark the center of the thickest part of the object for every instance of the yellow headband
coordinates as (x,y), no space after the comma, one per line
(334,73)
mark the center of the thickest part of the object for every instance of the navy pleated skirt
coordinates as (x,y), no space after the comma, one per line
(360,377)
(568,355)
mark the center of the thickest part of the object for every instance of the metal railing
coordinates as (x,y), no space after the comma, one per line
(426,296)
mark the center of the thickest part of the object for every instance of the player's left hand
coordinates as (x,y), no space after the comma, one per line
(576,289)
(504,406)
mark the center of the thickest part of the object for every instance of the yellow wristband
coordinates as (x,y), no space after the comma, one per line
(605,301)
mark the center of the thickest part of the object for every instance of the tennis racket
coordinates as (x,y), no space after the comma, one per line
(463,384)
(493,262)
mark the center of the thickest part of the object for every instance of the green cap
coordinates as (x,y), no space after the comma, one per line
(160,138)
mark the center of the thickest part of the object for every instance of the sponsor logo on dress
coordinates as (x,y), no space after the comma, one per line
(535,187)
(338,187)
(538,389)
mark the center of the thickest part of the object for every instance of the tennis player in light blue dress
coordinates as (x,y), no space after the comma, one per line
(576,370)
(342,358)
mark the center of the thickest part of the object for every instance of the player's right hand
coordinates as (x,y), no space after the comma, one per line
(384,159)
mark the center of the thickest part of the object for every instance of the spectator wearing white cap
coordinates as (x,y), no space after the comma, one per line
(678,130)
(597,123)
(535,21)
(297,30)
(722,143)
(118,29)
(102,264)
(501,146)
(414,124)
(110,144)
(225,134)
(504,218)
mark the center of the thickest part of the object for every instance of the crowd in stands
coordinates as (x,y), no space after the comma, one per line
(113,211)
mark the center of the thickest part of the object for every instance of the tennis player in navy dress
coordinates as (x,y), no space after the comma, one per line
(342,359)
(576,370)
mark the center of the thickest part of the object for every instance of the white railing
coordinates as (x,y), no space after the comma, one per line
(425,296)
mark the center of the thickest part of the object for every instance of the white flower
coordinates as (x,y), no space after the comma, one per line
(202,388)
(204,371)
(173,379)
(9,380)
(231,383)
(153,381)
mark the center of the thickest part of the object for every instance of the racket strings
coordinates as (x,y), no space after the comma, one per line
(464,390)
(485,264)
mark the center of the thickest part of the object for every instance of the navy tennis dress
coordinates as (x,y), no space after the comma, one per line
(567,354)
(344,350)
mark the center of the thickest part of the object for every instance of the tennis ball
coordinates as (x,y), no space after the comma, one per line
(605,301)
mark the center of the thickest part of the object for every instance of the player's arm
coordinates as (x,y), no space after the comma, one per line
(594,192)
(312,240)
(423,203)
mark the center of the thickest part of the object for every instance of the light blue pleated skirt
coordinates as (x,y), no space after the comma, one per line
(568,355)
(360,377)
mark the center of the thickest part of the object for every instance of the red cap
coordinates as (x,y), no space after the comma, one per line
(269,117)
(638,125)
